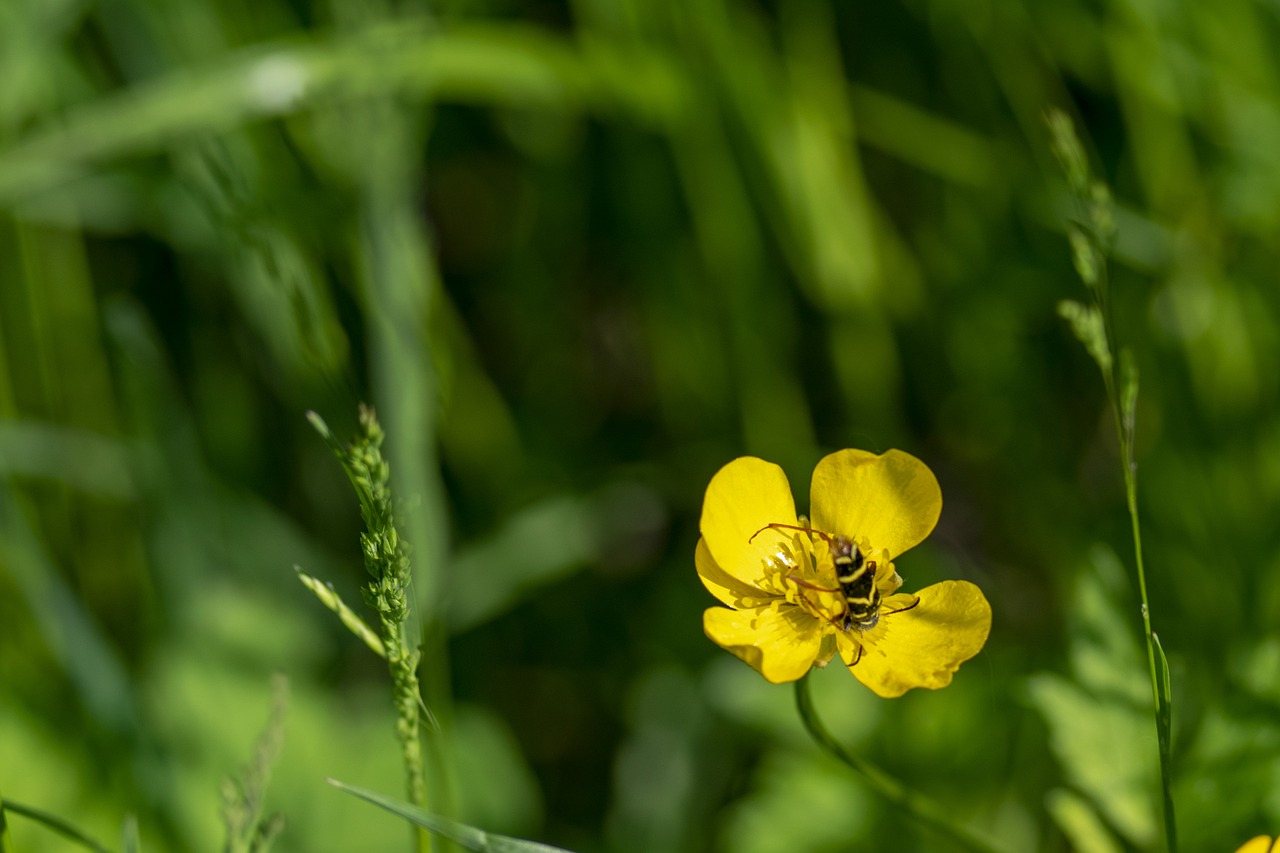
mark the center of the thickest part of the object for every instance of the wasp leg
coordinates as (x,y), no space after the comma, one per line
(825,615)
(804,583)
(913,605)
(858,658)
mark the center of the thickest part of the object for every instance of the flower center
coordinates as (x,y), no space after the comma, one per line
(838,586)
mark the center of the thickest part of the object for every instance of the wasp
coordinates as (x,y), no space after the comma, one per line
(856,576)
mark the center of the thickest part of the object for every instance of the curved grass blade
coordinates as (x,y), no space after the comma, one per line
(500,65)
(476,840)
(57,824)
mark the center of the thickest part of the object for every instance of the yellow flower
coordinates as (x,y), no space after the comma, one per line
(803,590)
(1261,844)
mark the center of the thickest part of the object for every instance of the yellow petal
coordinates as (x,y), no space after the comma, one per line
(1261,844)
(924,646)
(743,497)
(891,500)
(723,585)
(849,648)
(781,644)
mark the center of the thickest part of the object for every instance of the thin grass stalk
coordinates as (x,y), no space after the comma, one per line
(386,559)
(1163,708)
(1092,245)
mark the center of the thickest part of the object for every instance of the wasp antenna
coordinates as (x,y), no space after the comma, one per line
(777,526)
(799,581)
(826,537)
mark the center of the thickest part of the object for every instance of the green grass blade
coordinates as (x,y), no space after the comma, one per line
(57,824)
(476,840)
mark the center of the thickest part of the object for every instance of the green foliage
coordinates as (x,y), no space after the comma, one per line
(577,256)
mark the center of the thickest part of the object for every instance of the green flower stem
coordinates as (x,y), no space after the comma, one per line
(922,808)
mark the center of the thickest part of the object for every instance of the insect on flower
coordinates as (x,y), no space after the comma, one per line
(856,576)
(798,593)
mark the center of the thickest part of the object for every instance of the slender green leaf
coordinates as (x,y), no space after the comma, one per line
(498,65)
(476,840)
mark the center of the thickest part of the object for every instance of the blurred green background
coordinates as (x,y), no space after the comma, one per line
(579,255)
